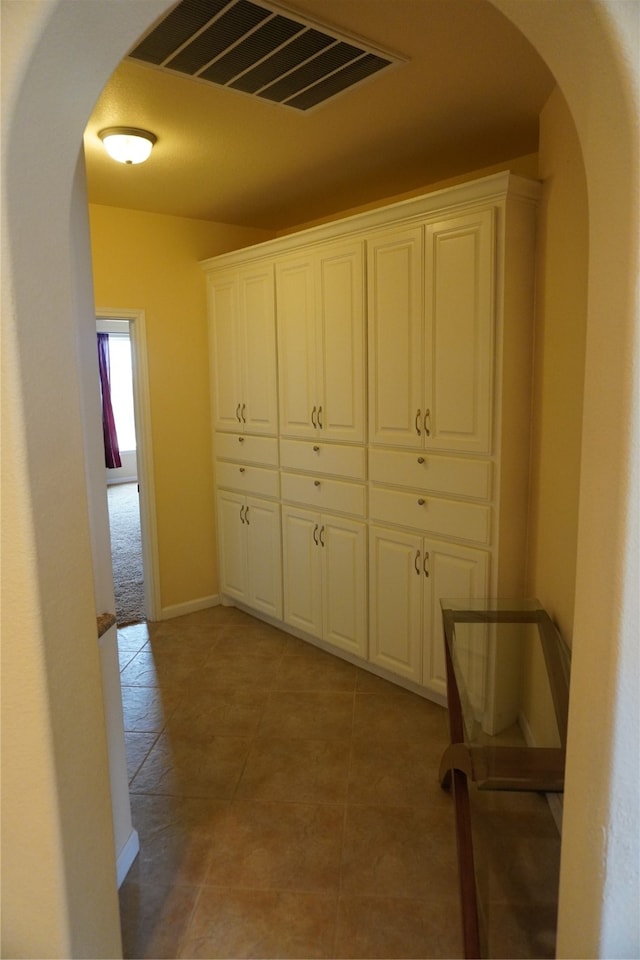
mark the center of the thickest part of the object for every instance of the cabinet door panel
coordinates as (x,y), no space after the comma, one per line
(302,570)
(459,332)
(395,606)
(455,572)
(260,389)
(225,350)
(232,545)
(395,338)
(344,561)
(296,347)
(264,556)
(341,344)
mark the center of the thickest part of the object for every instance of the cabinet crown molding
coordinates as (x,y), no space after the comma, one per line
(486,190)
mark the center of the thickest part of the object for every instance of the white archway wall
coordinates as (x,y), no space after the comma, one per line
(58,854)
(592,49)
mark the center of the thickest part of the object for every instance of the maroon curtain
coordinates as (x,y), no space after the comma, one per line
(111,449)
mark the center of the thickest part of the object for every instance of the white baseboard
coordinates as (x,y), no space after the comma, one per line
(191,606)
(127,855)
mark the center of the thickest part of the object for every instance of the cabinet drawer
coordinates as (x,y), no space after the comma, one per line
(258,480)
(325,494)
(247,449)
(451,476)
(447,518)
(323,458)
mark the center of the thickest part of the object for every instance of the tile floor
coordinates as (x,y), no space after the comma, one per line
(287,802)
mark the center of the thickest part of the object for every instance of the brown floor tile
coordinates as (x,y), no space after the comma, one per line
(401,850)
(284,846)
(137,746)
(370,683)
(316,671)
(296,770)
(175,838)
(391,717)
(224,711)
(154,918)
(383,927)
(179,767)
(396,772)
(145,709)
(242,668)
(310,715)
(258,923)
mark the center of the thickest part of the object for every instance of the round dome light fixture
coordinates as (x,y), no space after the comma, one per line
(127,144)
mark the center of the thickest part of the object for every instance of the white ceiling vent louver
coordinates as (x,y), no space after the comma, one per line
(259,50)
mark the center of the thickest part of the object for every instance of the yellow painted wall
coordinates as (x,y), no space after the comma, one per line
(150,262)
(561,317)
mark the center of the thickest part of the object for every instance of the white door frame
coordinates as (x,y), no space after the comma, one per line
(144,453)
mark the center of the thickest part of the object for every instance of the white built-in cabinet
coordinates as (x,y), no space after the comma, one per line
(320,322)
(431,334)
(371,391)
(242,341)
(249,536)
(325,582)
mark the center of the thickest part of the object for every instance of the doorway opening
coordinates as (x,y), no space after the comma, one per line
(130,488)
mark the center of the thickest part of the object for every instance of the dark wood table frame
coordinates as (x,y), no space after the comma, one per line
(495,767)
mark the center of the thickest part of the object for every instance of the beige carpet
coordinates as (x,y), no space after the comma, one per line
(126,552)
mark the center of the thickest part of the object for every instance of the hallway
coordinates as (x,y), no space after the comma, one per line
(288,805)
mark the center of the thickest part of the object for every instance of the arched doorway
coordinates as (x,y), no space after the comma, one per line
(57,816)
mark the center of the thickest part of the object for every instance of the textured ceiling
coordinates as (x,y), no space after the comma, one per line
(468,95)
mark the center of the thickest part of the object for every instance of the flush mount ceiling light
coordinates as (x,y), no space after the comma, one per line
(127,144)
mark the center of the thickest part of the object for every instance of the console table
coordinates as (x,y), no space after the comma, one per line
(508,695)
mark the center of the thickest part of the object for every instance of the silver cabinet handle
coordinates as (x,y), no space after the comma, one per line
(416,562)
(246,515)
(242,509)
(427,429)
(313,419)
(421,502)
(244,407)
(420,459)
(418,423)
(322,536)
(238,414)
(315,534)
(425,565)
(320,417)
(316,483)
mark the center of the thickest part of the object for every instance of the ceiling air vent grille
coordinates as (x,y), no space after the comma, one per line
(259,50)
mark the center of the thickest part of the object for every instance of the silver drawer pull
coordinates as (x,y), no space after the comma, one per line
(421,502)
(418,422)
(427,430)
(240,439)
(425,565)
(416,562)
(320,417)
(238,414)
(420,459)
(315,534)
(322,536)
(241,469)
(313,419)
(316,449)
(316,483)
(242,509)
